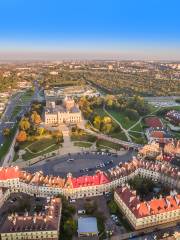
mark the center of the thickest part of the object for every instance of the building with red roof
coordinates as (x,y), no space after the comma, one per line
(9,173)
(98,184)
(149,213)
(84,181)
(32,224)
(160,135)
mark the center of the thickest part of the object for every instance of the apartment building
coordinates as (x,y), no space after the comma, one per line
(148,213)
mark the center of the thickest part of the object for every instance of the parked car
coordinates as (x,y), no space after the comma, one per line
(70,160)
(82,211)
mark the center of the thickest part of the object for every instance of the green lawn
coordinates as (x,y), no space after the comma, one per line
(42,144)
(176,135)
(27,95)
(101,143)
(7,143)
(121,117)
(29,155)
(138,137)
(15,112)
(138,128)
(38,148)
(119,135)
(84,138)
(83,144)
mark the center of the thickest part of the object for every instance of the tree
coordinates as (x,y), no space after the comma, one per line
(107,128)
(22,136)
(113,207)
(36,118)
(106,120)
(69,228)
(6,131)
(132,114)
(36,106)
(109,101)
(40,131)
(58,135)
(97,122)
(24,124)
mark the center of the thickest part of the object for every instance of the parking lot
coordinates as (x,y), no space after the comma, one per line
(79,164)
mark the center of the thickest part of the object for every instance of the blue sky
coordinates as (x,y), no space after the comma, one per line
(129,28)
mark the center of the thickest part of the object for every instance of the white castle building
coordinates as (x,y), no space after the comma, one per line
(68,112)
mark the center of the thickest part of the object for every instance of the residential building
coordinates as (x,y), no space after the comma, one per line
(100,183)
(147,213)
(42,225)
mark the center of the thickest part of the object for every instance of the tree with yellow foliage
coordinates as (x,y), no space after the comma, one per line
(36,118)
(22,136)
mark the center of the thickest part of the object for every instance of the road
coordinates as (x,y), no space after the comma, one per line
(59,166)
(7,120)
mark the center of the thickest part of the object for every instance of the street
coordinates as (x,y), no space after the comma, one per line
(7,120)
(90,162)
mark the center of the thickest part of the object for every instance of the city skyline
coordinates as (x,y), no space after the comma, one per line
(130,30)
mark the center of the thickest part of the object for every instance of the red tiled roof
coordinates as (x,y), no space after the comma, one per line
(143,209)
(153,122)
(9,173)
(157,134)
(84,181)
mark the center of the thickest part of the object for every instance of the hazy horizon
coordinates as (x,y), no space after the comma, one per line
(116,29)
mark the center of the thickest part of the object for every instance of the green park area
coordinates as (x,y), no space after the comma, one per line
(122,118)
(15,112)
(37,148)
(80,135)
(136,133)
(83,139)
(104,144)
(26,97)
(83,144)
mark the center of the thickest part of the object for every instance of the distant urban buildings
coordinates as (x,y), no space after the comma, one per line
(59,93)
(174,117)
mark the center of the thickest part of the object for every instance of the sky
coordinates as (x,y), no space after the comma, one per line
(90,29)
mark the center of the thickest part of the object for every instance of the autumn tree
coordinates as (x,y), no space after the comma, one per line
(22,136)
(58,135)
(6,132)
(24,124)
(36,118)
(40,131)
(97,122)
